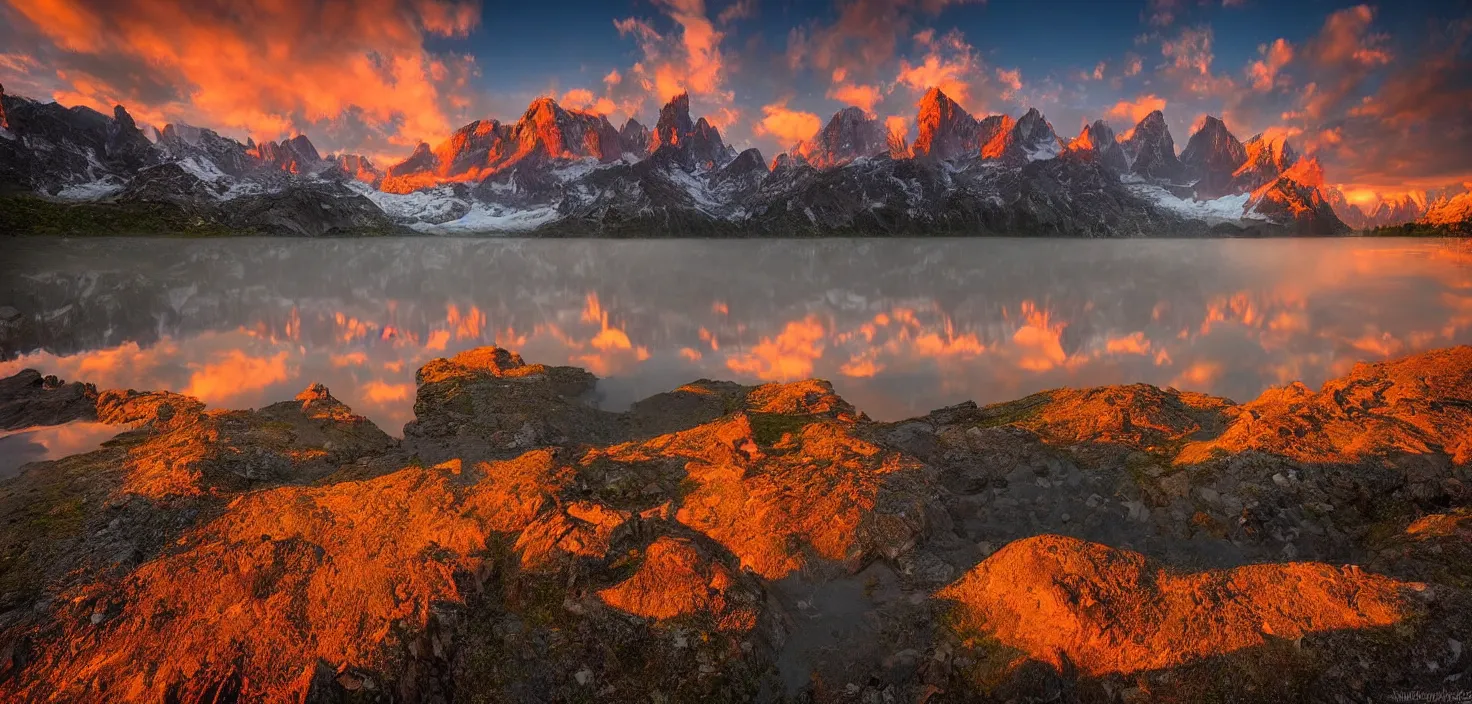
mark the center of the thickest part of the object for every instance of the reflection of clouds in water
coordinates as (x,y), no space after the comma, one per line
(900,327)
(48,443)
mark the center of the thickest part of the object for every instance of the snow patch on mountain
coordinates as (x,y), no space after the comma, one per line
(1231,208)
(104,187)
(491,219)
(429,206)
(202,169)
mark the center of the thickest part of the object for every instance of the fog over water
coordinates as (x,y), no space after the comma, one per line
(899,326)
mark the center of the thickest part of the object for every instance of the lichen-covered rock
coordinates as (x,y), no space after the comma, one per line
(732,543)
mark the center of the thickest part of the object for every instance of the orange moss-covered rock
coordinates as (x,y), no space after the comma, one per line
(488,402)
(289,577)
(1066,601)
(185,452)
(820,494)
(1137,416)
(1419,405)
(675,579)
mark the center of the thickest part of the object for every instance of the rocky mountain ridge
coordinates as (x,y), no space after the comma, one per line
(556,171)
(730,543)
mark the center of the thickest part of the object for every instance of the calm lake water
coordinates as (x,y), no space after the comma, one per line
(899,326)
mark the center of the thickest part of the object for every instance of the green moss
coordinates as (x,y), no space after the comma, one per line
(768,428)
(40,520)
(29,215)
(1013,412)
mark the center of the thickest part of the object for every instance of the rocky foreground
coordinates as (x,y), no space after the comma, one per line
(731,543)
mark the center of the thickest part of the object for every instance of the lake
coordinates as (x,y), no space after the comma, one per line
(899,326)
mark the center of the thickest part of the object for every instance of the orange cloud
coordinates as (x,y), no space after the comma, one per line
(788,356)
(950,64)
(380,392)
(234,373)
(1011,82)
(583,99)
(788,126)
(1136,110)
(213,63)
(448,19)
(1134,343)
(1191,50)
(1346,37)
(860,96)
(1264,71)
(688,63)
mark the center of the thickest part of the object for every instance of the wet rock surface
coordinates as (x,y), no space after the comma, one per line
(723,542)
(29,399)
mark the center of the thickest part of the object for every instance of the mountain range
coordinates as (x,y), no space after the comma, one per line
(557,171)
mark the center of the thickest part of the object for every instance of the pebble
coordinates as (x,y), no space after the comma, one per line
(583,676)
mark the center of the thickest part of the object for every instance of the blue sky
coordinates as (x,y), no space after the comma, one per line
(1368,88)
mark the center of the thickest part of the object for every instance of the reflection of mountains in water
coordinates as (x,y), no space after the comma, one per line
(89,295)
(1069,300)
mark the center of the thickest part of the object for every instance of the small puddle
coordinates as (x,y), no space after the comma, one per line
(20,447)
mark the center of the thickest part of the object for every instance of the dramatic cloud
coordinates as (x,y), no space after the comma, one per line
(583,99)
(1414,130)
(686,60)
(1264,72)
(788,126)
(950,64)
(1191,50)
(1136,110)
(860,96)
(266,70)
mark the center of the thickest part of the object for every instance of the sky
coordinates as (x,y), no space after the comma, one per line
(1379,93)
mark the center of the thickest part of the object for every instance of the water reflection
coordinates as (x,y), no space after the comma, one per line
(899,326)
(18,448)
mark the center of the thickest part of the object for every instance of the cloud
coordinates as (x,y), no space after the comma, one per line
(685,60)
(1264,72)
(583,99)
(863,38)
(1411,130)
(1133,64)
(950,64)
(1191,50)
(1161,13)
(739,10)
(788,126)
(860,96)
(1136,110)
(1011,82)
(265,70)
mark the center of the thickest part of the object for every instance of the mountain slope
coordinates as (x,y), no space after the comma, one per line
(555,171)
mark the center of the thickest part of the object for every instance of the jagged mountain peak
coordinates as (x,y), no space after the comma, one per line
(674,122)
(634,137)
(1098,138)
(946,130)
(1150,150)
(1212,156)
(1032,138)
(693,144)
(850,134)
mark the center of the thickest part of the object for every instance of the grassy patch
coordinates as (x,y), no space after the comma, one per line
(1013,412)
(29,215)
(768,428)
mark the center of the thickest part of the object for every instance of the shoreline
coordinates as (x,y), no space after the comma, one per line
(736,543)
